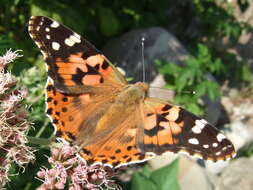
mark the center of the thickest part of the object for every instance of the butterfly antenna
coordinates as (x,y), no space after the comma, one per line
(142,59)
(167,89)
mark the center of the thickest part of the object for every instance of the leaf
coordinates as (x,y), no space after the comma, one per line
(200,89)
(184,78)
(212,90)
(246,73)
(37,10)
(141,182)
(162,179)
(166,177)
(109,23)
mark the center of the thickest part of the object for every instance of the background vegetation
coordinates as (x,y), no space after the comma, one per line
(200,25)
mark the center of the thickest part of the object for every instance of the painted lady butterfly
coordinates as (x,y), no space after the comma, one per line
(92,106)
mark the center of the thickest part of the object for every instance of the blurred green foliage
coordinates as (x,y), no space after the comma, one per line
(248,152)
(194,23)
(190,81)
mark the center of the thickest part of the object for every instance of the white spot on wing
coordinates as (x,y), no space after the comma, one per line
(69,42)
(193,141)
(76,35)
(48,37)
(72,39)
(38,28)
(206,146)
(201,123)
(215,144)
(75,38)
(55,46)
(47,29)
(204,121)
(220,137)
(55,24)
(196,129)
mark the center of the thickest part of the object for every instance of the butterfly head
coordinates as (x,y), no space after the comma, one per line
(133,93)
(143,86)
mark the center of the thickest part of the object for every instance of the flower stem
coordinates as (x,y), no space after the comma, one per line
(39,141)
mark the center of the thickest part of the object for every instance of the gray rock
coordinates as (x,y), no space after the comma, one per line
(192,176)
(239,134)
(237,176)
(125,51)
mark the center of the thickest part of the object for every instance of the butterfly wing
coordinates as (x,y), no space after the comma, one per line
(119,147)
(82,83)
(74,65)
(170,128)
(81,89)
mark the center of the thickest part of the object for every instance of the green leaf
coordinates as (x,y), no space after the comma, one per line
(141,182)
(200,89)
(246,74)
(212,90)
(37,10)
(162,179)
(166,177)
(109,23)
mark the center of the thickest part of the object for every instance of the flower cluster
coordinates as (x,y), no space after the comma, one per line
(13,123)
(68,168)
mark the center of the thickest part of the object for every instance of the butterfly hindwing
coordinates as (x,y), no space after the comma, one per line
(170,128)
(119,148)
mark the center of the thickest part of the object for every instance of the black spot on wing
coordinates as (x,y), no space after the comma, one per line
(49,111)
(104,65)
(59,133)
(78,77)
(71,136)
(166,107)
(153,132)
(86,151)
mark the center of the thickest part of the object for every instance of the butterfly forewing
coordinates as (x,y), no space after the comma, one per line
(92,106)
(72,61)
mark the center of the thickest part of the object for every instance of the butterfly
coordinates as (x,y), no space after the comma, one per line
(114,123)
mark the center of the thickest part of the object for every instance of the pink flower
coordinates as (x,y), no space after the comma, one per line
(13,123)
(4,168)
(9,57)
(68,167)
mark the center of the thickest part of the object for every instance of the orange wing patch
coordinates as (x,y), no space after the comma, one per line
(62,111)
(116,152)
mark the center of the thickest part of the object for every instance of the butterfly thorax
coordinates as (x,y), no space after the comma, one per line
(133,94)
